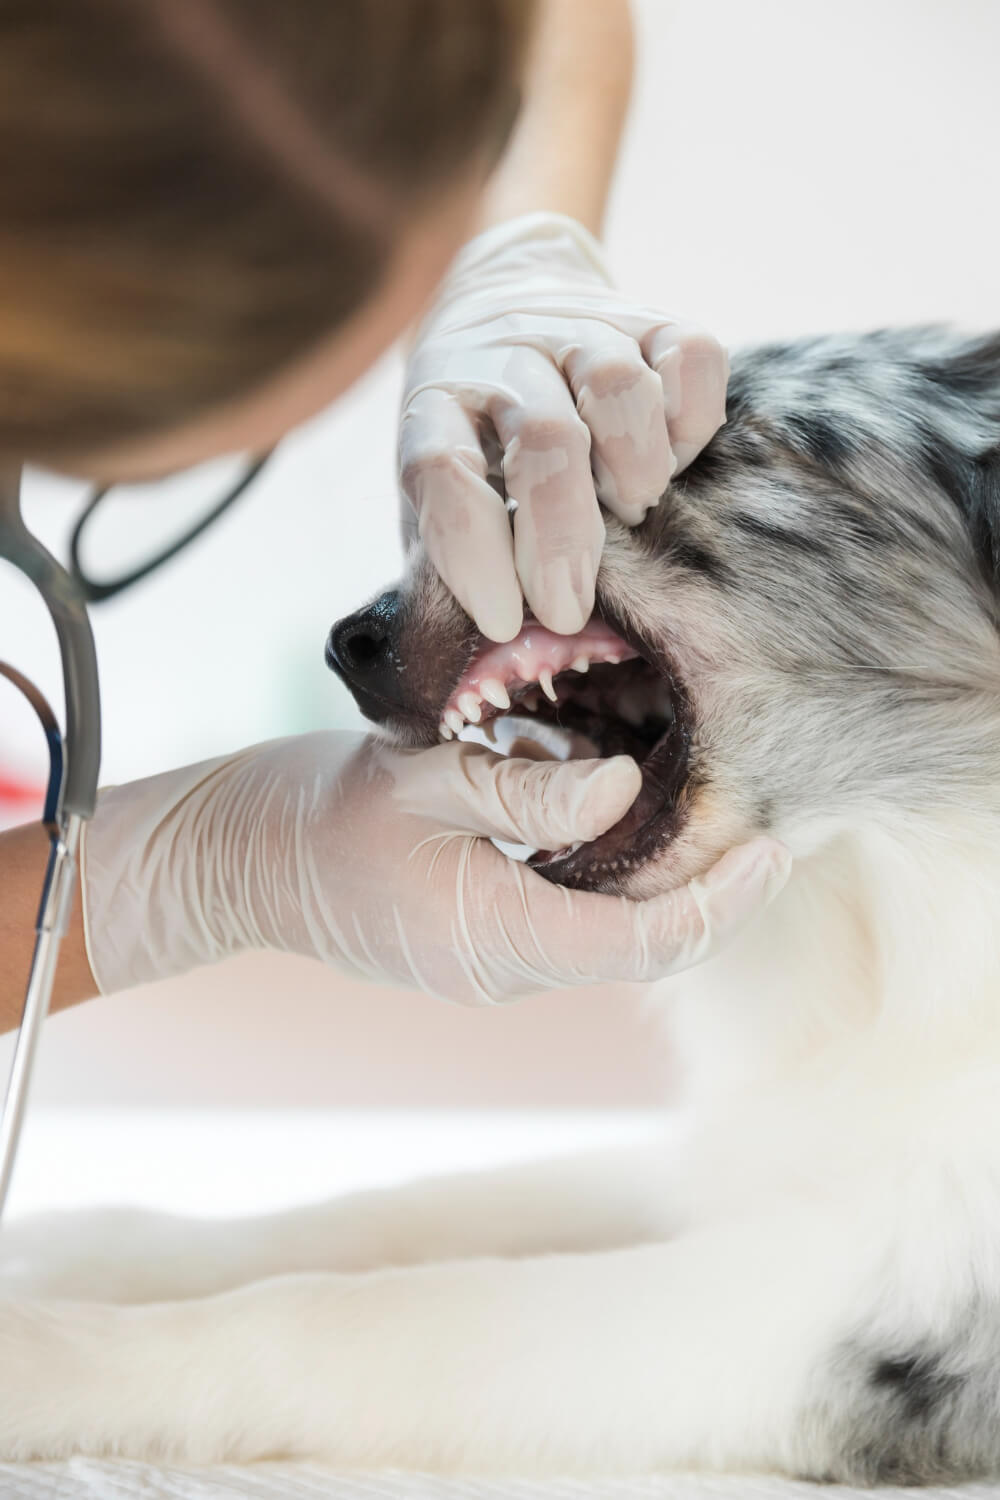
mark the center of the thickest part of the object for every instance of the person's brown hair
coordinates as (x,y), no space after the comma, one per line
(194,192)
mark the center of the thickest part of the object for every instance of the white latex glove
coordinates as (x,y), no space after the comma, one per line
(339,847)
(531,353)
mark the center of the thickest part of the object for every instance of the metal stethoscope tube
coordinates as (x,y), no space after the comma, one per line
(74,765)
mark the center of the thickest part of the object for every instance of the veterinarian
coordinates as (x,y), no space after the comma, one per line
(215,215)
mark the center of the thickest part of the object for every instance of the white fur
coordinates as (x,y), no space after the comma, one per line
(808,1278)
(840,1169)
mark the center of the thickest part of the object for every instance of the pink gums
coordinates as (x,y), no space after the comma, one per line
(528,654)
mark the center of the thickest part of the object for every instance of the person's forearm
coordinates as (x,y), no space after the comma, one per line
(23,855)
(563,150)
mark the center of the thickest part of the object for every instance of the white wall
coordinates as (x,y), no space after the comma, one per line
(789,167)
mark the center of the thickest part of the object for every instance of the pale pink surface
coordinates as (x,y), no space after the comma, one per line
(533,652)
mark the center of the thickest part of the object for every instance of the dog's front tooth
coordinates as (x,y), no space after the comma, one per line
(494,692)
(580,664)
(454,720)
(444,732)
(469,704)
(545,681)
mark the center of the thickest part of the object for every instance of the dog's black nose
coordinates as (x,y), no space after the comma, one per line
(362,650)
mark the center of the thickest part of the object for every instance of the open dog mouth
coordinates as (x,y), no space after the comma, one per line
(595,694)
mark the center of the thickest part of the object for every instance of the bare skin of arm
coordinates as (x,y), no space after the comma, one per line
(23,856)
(562,155)
(561,159)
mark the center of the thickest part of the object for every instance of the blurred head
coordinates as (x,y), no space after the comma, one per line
(214,214)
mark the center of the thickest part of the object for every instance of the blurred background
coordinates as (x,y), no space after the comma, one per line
(790,167)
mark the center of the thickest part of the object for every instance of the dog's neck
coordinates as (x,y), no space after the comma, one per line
(888,936)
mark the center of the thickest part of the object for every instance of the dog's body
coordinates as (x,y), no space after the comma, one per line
(808,1279)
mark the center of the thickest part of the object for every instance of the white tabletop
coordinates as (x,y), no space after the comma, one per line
(236,1162)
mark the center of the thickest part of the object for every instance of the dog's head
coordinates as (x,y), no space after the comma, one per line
(803,636)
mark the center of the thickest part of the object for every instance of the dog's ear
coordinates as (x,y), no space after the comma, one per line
(961,440)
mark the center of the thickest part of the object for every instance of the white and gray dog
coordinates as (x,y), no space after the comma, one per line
(802,640)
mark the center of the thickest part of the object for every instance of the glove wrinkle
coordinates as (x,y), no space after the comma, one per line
(591,396)
(378,862)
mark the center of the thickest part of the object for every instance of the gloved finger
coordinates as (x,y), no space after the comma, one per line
(582,937)
(544,804)
(460,517)
(558,529)
(726,897)
(621,400)
(693,368)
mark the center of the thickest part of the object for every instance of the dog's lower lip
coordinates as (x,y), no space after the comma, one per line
(648,826)
(652,816)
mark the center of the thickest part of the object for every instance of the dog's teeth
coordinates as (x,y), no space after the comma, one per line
(454,720)
(530,700)
(494,692)
(580,664)
(469,704)
(444,732)
(545,681)
(569,850)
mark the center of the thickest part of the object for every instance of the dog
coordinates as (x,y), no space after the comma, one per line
(802,640)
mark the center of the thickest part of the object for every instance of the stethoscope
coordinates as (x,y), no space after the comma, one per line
(74,756)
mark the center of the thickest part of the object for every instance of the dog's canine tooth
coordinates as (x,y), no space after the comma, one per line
(545,680)
(454,720)
(494,692)
(580,664)
(565,853)
(444,732)
(469,705)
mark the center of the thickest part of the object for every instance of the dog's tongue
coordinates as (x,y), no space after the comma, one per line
(527,737)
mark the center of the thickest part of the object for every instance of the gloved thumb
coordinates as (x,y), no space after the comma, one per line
(544,804)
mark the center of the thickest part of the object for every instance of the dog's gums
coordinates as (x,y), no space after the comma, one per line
(593,694)
(498,673)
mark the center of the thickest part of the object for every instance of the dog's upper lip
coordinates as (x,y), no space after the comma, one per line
(628,632)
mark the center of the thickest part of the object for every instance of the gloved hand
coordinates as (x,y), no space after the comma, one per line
(529,351)
(342,848)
